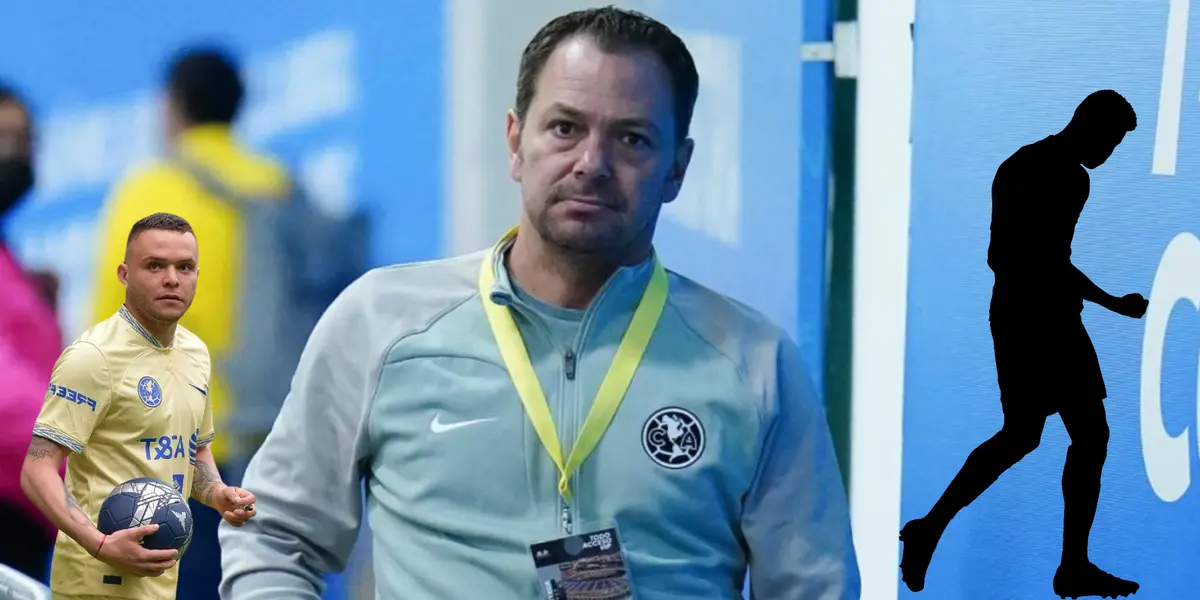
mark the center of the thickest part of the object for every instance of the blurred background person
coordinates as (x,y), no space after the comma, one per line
(30,341)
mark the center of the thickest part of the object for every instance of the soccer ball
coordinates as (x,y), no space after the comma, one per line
(147,501)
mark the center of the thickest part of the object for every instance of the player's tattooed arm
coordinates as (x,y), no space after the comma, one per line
(206,482)
(74,510)
(41,448)
(44,486)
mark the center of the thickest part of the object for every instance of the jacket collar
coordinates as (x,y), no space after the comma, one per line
(205,143)
(205,136)
(620,293)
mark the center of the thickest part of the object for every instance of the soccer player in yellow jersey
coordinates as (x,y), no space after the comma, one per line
(129,399)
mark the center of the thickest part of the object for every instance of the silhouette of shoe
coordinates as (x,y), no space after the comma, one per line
(920,540)
(1090,580)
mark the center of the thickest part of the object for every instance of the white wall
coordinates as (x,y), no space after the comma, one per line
(880,288)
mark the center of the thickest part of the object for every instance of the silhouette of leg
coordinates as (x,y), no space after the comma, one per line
(1077,576)
(1020,435)
(1087,425)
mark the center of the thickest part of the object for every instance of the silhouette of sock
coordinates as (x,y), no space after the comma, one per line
(1089,433)
(985,465)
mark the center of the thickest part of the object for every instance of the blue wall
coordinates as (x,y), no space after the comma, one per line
(334,91)
(991,77)
(336,87)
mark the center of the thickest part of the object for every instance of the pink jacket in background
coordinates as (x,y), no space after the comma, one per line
(30,343)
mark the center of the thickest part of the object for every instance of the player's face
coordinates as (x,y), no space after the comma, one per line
(160,273)
(596,156)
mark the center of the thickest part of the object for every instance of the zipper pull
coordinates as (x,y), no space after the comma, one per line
(566,519)
(569,364)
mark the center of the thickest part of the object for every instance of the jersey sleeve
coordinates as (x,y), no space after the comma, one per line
(78,395)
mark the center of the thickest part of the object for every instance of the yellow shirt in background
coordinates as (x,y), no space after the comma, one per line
(163,187)
(126,407)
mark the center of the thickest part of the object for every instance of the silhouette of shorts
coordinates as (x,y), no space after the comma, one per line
(1045,363)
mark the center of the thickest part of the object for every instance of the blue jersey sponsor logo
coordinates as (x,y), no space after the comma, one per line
(150,392)
(177,479)
(165,447)
(71,396)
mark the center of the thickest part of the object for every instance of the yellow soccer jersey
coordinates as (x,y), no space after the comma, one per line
(126,407)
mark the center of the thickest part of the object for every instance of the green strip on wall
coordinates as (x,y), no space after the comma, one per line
(840,301)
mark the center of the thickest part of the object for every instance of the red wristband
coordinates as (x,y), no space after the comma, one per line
(102,540)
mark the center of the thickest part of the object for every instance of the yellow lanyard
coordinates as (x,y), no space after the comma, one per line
(612,388)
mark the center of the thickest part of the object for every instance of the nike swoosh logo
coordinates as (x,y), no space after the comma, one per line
(199,389)
(437,426)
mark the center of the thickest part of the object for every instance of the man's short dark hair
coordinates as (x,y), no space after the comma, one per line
(1107,107)
(206,86)
(613,29)
(159,222)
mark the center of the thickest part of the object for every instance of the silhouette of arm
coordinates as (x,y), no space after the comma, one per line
(1090,291)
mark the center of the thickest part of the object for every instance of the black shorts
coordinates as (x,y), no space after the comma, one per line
(1044,363)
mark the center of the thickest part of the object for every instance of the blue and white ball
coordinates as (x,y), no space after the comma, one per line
(148,501)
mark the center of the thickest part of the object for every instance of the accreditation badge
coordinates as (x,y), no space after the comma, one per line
(588,566)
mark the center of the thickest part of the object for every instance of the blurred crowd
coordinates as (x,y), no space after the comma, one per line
(259,296)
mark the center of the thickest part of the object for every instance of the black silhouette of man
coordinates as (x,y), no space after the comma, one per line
(1045,361)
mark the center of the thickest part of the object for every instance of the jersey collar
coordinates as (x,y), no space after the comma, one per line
(146,335)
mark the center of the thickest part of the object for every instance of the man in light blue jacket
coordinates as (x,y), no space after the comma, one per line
(559,412)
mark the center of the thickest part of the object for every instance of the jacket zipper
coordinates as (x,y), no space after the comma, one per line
(569,364)
(567,512)
(570,358)
(569,369)
(565,519)
(568,409)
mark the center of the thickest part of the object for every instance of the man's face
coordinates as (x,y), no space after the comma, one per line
(16,141)
(1100,146)
(160,274)
(16,150)
(596,155)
